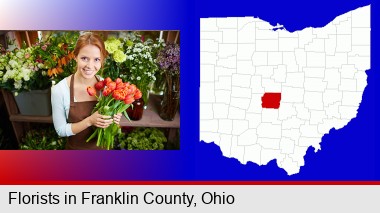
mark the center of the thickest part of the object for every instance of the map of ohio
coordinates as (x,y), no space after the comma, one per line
(269,94)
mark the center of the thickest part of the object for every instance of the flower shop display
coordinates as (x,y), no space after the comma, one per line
(29,72)
(115,97)
(169,61)
(43,139)
(143,139)
(20,71)
(135,60)
(113,65)
(131,58)
(56,53)
(35,67)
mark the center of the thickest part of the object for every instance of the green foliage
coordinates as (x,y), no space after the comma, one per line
(35,67)
(55,52)
(43,139)
(143,139)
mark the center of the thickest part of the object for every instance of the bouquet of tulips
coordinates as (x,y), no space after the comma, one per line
(115,97)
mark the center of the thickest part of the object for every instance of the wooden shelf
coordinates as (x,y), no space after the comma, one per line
(150,117)
(30,118)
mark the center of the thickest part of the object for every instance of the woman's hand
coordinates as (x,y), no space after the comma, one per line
(116,118)
(101,121)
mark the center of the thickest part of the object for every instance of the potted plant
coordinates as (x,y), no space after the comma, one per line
(29,72)
(43,139)
(132,59)
(143,139)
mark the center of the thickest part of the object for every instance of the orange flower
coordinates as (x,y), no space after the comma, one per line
(129,99)
(107,80)
(118,80)
(107,91)
(132,89)
(91,91)
(120,86)
(52,72)
(59,70)
(138,94)
(119,94)
(111,85)
(63,61)
(71,55)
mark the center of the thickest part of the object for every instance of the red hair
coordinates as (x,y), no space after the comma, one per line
(93,39)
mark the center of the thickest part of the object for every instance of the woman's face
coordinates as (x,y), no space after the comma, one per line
(88,61)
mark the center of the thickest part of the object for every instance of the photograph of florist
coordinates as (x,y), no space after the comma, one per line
(101,90)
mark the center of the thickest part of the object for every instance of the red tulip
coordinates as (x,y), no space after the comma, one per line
(112,86)
(138,94)
(118,80)
(107,80)
(107,91)
(100,85)
(120,86)
(119,94)
(129,99)
(132,89)
(91,91)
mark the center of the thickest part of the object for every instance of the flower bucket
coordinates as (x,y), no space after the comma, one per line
(35,102)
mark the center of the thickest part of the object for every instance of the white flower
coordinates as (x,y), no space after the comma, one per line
(13,63)
(18,84)
(138,78)
(136,50)
(19,54)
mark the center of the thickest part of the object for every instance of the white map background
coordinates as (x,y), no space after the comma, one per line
(320,73)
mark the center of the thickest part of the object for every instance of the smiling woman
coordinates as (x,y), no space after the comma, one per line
(72,106)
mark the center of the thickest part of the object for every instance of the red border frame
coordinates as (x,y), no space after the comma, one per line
(54,182)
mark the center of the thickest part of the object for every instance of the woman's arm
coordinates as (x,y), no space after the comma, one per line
(59,110)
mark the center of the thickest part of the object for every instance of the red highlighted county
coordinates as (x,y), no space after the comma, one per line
(271,100)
